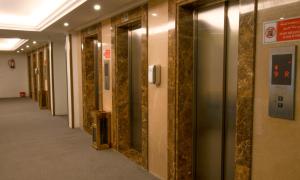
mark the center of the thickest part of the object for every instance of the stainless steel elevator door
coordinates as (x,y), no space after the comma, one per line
(135,84)
(96,72)
(210,92)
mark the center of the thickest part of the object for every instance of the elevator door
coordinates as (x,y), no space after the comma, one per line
(134,51)
(210,76)
(215,92)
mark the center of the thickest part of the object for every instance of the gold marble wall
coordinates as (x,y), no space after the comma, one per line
(120,111)
(180,89)
(88,75)
(245,91)
(39,82)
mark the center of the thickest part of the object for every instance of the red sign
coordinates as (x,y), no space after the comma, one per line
(282,30)
(107,54)
(288,30)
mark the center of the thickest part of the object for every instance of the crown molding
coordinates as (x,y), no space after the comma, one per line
(63,10)
(16,46)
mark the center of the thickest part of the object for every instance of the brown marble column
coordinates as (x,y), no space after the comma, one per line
(245,92)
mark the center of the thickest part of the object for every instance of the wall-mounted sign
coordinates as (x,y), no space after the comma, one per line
(124,18)
(107,54)
(281,30)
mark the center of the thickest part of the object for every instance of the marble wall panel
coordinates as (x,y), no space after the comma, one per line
(120,113)
(180,88)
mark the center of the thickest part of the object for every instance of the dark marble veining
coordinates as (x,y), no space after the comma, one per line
(120,114)
(180,87)
(88,74)
(245,92)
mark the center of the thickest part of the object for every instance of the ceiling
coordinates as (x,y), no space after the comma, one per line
(11,44)
(85,15)
(34,15)
(42,20)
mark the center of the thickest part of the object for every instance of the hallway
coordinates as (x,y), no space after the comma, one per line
(34,145)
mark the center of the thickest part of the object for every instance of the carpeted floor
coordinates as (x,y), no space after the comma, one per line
(36,146)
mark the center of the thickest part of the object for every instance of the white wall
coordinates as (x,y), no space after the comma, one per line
(60,78)
(13,81)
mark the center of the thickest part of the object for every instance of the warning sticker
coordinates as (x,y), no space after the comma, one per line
(107,54)
(282,30)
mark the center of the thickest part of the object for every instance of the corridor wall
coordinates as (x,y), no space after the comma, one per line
(13,81)
(276,151)
(59,65)
(158,98)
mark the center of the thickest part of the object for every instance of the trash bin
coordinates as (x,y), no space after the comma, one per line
(101,136)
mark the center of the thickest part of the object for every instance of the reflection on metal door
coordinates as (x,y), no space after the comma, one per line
(96,72)
(215,77)
(134,52)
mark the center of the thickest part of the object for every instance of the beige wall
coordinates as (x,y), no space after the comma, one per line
(276,148)
(106,44)
(158,96)
(77,79)
(13,81)
(60,78)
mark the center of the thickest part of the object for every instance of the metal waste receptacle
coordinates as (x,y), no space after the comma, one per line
(101,137)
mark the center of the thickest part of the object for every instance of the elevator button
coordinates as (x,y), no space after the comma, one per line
(280,105)
(280,98)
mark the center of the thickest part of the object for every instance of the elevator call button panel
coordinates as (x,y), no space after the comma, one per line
(282,82)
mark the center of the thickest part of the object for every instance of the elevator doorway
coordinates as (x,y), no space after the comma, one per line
(35,77)
(135,84)
(130,86)
(90,70)
(215,84)
(42,76)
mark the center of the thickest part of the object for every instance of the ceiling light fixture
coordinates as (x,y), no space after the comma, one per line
(34,42)
(27,46)
(18,51)
(66,24)
(282,18)
(97,7)
(22,49)
(154,14)
(11,44)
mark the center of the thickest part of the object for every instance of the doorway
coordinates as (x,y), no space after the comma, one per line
(41,78)
(215,85)
(135,84)
(130,86)
(35,76)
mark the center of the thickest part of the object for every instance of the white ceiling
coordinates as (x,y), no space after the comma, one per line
(34,15)
(11,44)
(45,18)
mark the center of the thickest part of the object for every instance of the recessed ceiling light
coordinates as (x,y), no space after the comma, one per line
(22,49)
(154,14)
(97,7)
(34,42)
(18,51)
(282,18)
(66,24)
(27,46)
